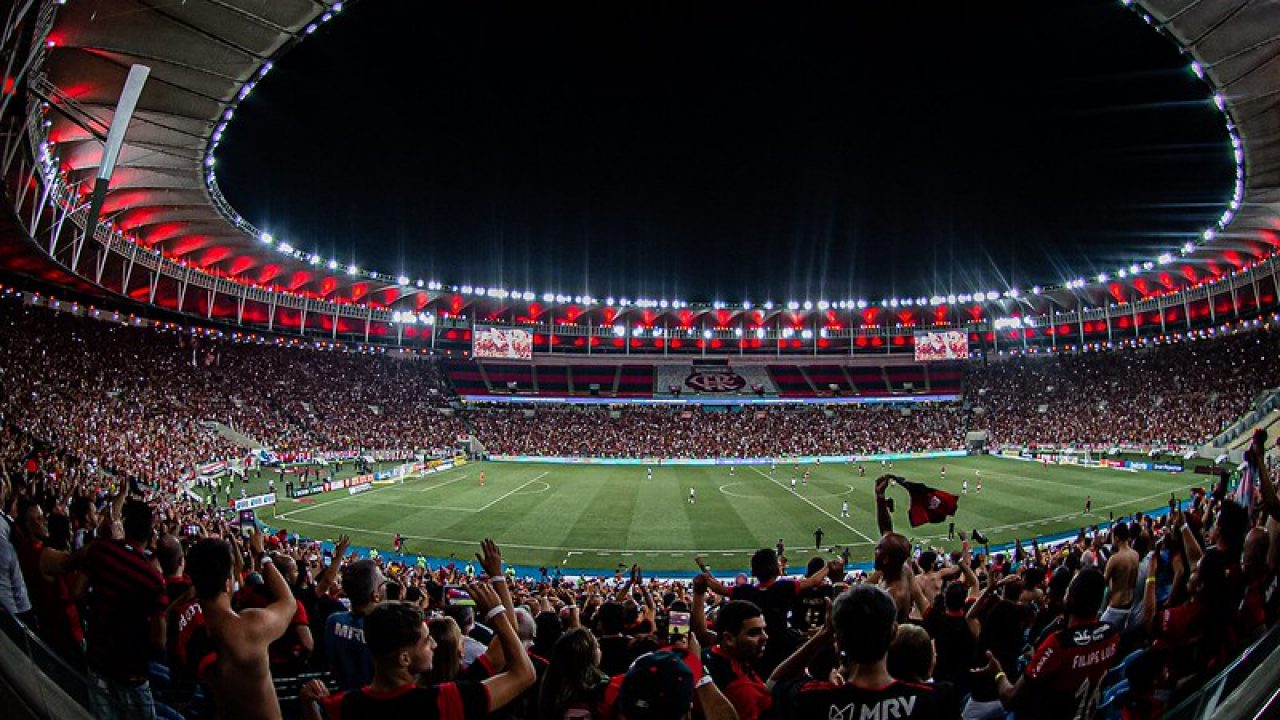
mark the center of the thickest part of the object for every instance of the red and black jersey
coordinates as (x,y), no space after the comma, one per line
(125,592)
(448,701)
(740,684)
(1067,669)
(804,698)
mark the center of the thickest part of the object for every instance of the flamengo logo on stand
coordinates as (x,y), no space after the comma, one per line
(715,381)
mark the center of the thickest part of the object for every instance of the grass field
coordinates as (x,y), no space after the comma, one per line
(599,516)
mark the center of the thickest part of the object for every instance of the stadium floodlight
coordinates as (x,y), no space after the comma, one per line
(706,334)
(1148,265)
(768,304)
(624,302)
(1188,248)
(1015,293)
(1210,234)
(419,282)
(638,331)
(1198,69)
(793,305)
(759,333)
(465,289)
(266,238)
(823,305)
(822,332)
(402,280)
(527,296)
(808,305)
(1134,269)
(1103,277)
(1036,290)
(658,332)
(481,291)
(807,334)
(1220,101)
(993,295)
(737,332)
(619,330)
(1122,273)
(353,270)
(608,300)
(285,247)
(788,332)
(746,304)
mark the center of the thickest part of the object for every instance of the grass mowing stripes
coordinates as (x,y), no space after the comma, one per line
(600,516)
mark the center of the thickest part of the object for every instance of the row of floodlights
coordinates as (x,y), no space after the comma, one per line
(1218,99)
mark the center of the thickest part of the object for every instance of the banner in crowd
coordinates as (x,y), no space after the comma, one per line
(256,501)
(501,343)
(948,345)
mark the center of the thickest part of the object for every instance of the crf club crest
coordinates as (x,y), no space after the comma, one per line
(715,381)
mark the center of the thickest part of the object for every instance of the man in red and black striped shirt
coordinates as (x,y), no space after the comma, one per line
(125,617)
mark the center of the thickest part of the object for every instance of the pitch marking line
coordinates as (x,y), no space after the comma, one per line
(288,514)
(437,487)
(823,496)
(1067,516)
(815,506)
(513,492)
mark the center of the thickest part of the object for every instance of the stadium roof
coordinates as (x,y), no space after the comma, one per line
(205,58)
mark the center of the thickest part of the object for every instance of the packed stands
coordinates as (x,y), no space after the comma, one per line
(1167,395)
(100,421)
(691,432)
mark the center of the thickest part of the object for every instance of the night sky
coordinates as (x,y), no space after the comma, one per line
(731,151)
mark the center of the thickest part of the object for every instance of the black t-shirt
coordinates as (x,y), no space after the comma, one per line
(615,654)
(448,701)
(956,646)
(807,698)
(775,599)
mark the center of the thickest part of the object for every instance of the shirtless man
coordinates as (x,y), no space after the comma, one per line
(1122,578)
(241,676)
(892,552)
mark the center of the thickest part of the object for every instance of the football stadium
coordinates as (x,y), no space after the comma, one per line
(639,361)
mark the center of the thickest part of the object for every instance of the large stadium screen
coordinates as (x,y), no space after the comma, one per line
(950,345)
(502,343)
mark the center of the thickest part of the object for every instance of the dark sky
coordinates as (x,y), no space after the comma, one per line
(725,151)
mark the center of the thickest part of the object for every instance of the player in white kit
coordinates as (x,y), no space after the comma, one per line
(793,483)
(693,496)
(844,509)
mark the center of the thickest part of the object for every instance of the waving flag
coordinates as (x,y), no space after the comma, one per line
(928,505)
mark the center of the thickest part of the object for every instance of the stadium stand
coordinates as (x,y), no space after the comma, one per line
(103,421)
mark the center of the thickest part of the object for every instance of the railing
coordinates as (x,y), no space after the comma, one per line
(1267,401)
(1247,688)
(55,690)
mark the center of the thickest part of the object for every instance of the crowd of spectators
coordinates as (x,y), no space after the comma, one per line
(173,610)
(645,431)
(1176,395)
(139,400)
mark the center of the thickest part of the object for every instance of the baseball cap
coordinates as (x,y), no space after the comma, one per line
(658,686)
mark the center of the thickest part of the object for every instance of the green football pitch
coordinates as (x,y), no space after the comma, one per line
(581,516)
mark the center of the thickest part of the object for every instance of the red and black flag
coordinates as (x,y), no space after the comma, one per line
(928,505)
